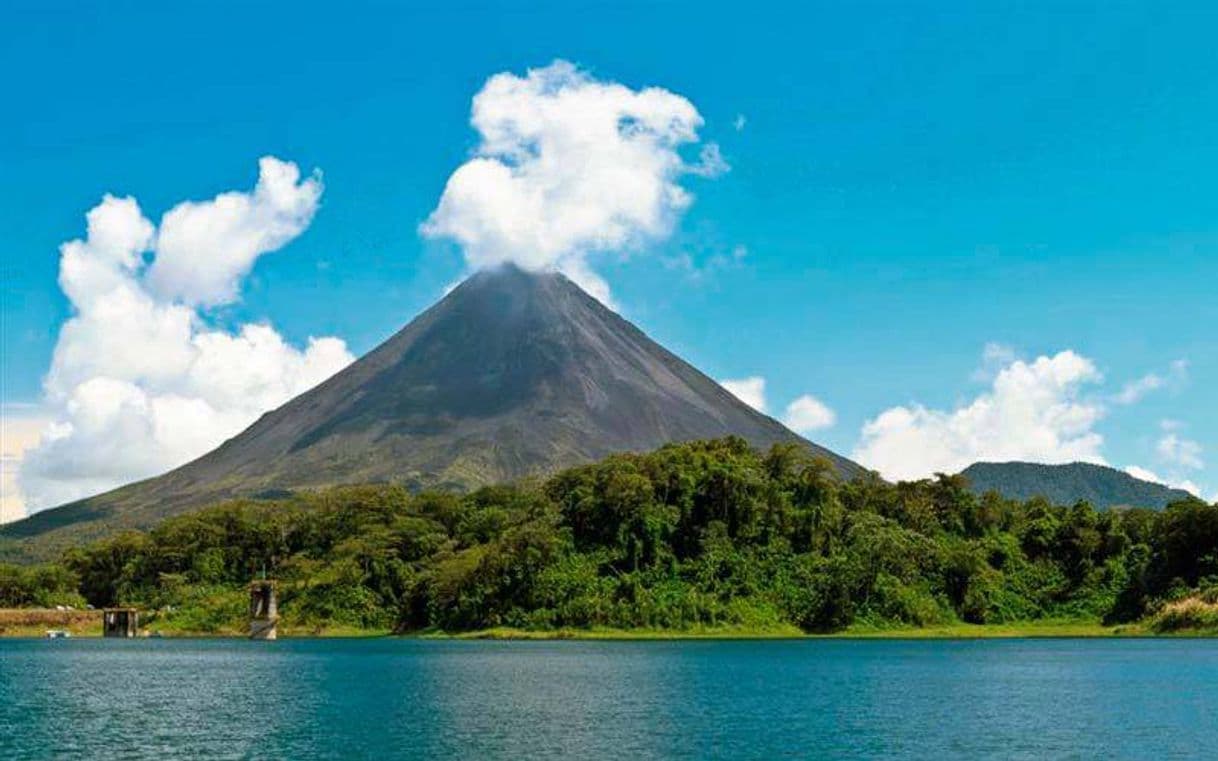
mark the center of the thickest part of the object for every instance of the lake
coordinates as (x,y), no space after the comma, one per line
(213,699)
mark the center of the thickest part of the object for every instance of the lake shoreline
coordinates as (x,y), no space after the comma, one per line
(1056,630)
(27,624)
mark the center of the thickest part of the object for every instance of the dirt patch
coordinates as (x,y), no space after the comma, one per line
(34,622)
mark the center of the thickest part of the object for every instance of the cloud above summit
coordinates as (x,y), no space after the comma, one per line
(141,380)
(568,167)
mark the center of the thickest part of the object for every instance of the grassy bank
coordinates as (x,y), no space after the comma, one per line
(1024,630)
(1029,630)
(600,633)
(168,626)
(34,622)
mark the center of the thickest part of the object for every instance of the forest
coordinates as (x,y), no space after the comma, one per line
(692,537)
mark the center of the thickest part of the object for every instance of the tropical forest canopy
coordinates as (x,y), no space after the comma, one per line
(695,535)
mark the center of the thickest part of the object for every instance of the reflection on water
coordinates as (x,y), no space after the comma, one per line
(435,699)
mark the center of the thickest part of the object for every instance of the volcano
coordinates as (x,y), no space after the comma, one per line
(513,373)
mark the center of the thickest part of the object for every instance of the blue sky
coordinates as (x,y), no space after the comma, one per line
(909,182)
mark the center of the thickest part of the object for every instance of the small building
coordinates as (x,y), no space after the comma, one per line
(264,610)
(120,622)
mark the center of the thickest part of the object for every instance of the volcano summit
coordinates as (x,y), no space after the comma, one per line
(513,373)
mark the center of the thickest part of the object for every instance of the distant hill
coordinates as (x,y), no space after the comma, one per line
(1067,484)
(511,374)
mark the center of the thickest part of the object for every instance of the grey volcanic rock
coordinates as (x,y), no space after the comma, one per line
(511,374)
(1067,484)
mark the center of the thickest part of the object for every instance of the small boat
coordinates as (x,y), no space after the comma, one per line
(58,634)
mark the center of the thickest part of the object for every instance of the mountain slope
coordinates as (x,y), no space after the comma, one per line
(513,373)
(1067,484)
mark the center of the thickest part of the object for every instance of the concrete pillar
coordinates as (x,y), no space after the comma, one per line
(120,622)
(264,610)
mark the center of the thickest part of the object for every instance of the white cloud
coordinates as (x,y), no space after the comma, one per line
(994,357)
(1188,486)
(204,249)
(20,429)
(710,162)
(1149,475)
(739,122)
(807,414)
(1176,450)
(1144,474)
(803,415)
(1135,390)
(139,381)
(567,167)
(749,390)
(1032,411)
(1178,454)
(704,268)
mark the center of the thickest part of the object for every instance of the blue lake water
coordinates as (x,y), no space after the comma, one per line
(212,699)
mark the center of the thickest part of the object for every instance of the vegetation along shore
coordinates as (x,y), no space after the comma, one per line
(703,539)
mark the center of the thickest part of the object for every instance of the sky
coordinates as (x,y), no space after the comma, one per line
(920,234)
